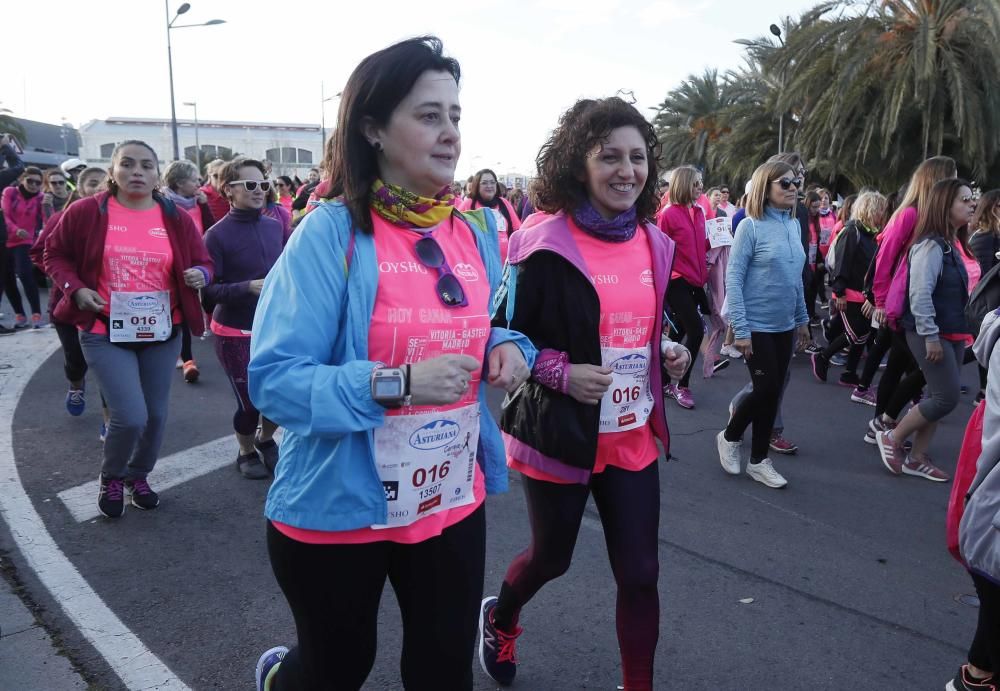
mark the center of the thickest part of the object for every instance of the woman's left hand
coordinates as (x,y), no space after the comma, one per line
(676,359)
(840,302)
(805,337)
(507,368)
(194,278)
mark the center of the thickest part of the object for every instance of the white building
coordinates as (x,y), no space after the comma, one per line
(291,148)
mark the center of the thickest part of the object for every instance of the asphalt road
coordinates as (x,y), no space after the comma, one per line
(851,585)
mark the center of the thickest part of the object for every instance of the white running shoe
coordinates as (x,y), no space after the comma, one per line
(765,473)
(730,453)
(730,351)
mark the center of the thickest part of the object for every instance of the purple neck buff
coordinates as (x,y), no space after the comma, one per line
(621,228)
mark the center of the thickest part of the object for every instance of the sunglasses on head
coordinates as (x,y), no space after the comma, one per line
(449,289)
(786,183)
(251,185)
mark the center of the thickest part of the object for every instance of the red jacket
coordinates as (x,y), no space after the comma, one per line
(217,204)
(692,244)
(37,253)
(74,257)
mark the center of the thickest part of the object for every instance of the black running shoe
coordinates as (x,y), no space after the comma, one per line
(141,495)
(720,364)
(250,466)
(268,453)
(821,366)
(497,652)
(111,497)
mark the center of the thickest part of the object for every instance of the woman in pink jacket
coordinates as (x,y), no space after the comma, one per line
(22,210)
(485,192)
(684,222)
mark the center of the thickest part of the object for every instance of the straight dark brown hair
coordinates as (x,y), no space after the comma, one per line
(374,90)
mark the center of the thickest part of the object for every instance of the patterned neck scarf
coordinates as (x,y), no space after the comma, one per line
(407,210)
(621,228)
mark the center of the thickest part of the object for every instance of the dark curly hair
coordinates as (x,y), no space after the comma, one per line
(562,159)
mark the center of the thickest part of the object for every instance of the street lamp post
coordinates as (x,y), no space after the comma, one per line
(322,117)
(170,63)
(197,141)
(776,30)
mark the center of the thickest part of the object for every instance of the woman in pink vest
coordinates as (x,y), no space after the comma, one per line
(485,193)
(588,290)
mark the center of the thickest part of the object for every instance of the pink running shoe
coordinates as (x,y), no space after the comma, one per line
(921,466)
(781,445)
(683,397)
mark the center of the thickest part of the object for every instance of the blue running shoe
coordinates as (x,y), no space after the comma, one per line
(497,651)
(75,402)
(267,666)
(104,433)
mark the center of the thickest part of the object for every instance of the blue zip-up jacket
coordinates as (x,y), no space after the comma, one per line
(310,373)
(764,277)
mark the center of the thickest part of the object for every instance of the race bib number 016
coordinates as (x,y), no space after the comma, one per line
(427,462)
(138,317)
(628,402)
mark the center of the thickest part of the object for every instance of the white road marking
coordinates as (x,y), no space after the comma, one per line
(137,667)
(169,472)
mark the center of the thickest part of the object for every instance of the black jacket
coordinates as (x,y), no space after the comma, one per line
(985,246)
(557,307)
(854,256)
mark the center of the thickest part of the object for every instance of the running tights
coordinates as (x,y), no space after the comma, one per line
(629,506)
(772,353)
(985,650)
(683,299)
(234,356)
(901,381)
(883,339)
(334,593)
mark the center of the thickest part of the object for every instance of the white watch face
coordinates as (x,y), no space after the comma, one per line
(388,387)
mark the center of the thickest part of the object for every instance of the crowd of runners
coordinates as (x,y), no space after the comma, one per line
(366,310)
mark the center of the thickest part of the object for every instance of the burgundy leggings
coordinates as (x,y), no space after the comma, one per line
(234,356)
(629,505)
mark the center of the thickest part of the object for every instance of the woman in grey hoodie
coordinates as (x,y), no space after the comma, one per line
(979,532)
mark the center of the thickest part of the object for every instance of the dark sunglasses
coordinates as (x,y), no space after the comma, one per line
(449,289)
(57,183)
(786,183)
(32,181)
(251,185)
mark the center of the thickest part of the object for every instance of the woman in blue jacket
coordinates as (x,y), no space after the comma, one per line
(764,291)
(371,343)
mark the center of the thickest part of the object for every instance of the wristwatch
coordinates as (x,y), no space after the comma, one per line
(391,386)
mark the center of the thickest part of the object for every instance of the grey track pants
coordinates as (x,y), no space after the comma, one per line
(136,386)
(943,378)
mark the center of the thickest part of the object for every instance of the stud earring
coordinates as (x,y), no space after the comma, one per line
(377,146)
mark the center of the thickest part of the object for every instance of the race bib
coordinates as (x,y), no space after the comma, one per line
(138,317)
(427,462)
(812,252)
(628,402)
(824,236)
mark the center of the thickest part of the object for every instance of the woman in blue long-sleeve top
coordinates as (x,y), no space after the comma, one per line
(766,307)
(371,347)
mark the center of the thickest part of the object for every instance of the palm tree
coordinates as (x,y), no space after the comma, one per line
(9,125)
(885,84)
(688,120)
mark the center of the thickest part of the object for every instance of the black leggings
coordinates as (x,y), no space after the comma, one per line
(772,353)
(985,650)
(186,352)
(849,328)
(629,505)
(334,592)
(74,364)
(684,299)
(883,339)
(901,381)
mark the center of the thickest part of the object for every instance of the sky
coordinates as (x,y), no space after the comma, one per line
(523,62)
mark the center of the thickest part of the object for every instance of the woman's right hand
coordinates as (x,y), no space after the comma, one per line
(88,300)
(21,233)
(867,309)
(934,351)
(879,315)
(256,286)
(745,346)
(442,380)
(587,383)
